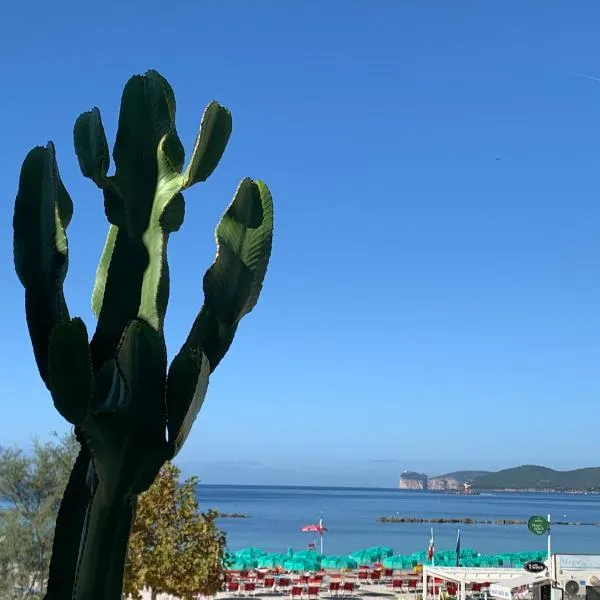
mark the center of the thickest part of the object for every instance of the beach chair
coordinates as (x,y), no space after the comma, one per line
(375,577)
(233,587)
(348,588)
(363,575)
(296,591)
(411,586)
(388,574)
(269,582)
(313,592)
(476,588)
(451,588)
(249,588)
(283,584)
(334,588)
(397,584)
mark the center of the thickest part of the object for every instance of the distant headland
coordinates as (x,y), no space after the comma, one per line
(516,479)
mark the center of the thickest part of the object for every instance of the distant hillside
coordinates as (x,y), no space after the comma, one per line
(463,476)
(533,477)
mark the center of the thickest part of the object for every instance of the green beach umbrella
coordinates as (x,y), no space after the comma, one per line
(362,557)
(367,556)
(228,558)
(241,564)
(419,556)
(338,562)
(310,554)
(274,559)
(251,552)
(300,564)
(398,561)
(381,552)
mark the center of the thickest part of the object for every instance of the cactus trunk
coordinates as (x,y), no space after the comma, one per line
(102,554)
(69,525)
(131,410)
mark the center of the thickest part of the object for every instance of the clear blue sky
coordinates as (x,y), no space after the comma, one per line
(428,306)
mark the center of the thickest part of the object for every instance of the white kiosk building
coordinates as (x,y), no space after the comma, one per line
(567,577)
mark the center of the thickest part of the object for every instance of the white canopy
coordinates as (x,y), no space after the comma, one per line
(472,574)
(464,576)
(503,589)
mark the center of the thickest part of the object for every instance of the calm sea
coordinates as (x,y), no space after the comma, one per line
(350,514)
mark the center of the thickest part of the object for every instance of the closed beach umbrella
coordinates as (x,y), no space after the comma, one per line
(274,559)
(338,562)
(362,557)
(241,564)
(371,555)
(362,553)
(382,551)
(310,554)
(300,564)
(398,561)
(250,552)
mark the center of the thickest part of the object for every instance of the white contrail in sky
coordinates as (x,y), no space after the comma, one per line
(584,76)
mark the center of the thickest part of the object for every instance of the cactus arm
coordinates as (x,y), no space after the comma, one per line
(233,283)
(231,289)
(124,267)
(70,372)
(67,534)
(102,271)
(146,120)
(91,146)
(215,130)
(168,209)
(43,210)
(93,156)
(146,128)
(187,384)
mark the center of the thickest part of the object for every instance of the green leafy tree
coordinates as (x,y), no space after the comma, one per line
(31,488)
(173,548)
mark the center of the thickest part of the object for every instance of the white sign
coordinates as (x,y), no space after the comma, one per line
(499,591)
(578,561)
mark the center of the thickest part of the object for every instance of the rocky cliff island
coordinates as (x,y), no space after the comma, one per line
(530,478)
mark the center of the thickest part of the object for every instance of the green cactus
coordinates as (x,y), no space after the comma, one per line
(131,411)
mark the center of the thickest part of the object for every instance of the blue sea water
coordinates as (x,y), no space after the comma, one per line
(350,514)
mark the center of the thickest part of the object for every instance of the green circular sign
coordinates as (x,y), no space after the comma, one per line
(537,525)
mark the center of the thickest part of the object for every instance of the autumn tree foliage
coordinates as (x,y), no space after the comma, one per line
(174,548)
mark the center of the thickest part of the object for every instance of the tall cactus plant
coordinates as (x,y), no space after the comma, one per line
(131,410)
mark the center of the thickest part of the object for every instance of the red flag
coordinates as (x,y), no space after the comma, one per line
(431,549)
